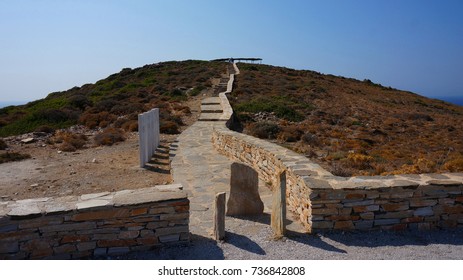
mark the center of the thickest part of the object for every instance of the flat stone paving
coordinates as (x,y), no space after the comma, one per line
(203,172)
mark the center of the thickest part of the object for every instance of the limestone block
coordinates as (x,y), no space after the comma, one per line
(244,191)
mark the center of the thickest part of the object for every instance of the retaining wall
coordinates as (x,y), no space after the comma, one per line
(94,225)
(323,201)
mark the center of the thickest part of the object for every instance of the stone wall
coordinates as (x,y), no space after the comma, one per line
(424,201)
(323,201)
(269,160)
(94,225)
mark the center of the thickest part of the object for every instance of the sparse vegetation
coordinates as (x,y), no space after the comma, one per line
(3,145)
(350,127)
(7,157)
(131,91)
(109,136)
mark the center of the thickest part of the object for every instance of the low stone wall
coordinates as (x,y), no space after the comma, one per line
(395,202)
(327,202)
(269,160)
(94,225)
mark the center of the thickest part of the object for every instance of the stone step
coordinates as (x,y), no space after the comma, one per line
(210,117)
(211,101)
(215,108)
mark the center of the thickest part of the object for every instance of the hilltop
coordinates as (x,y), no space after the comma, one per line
(348,126)
(117,99)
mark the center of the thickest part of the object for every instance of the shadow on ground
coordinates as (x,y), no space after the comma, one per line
(200,248)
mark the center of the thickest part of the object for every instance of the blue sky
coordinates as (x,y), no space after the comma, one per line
(53,45)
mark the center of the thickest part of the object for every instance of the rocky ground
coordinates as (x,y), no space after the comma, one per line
(51,172)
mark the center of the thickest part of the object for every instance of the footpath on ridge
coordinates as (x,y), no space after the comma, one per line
(203,172)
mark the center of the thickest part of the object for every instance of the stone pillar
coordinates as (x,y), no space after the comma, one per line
(279,207)
(219,216)
(244,191)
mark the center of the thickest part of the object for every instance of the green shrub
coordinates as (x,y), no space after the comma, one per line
(264,130)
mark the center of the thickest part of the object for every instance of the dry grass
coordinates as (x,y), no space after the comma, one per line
(348,126)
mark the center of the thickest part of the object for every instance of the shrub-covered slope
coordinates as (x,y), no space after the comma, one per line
(117,100)
(350,127)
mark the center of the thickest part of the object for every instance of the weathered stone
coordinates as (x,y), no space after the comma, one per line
(148,241)
(75,238)
(155,225)
(69,227)
(355,196)
(244,194)
(148,195)
(444,182)
(101,215)
(322,225)
(92,203)
(219,216)
(447,201)
(9,247)
(345,211)
(138,211)
(403,183)
(397,227)
(425,211)
(383,222)
(344,225)
(66,248)
(395,215)
(363,225)
(343,218)
(130,234)
(395,206)
(367,215)
(412,220)
(118,250)
(24,210)
(171,230)
(169,238)
(366,208)
(7,228)
(325,211)
(116,243)
(347,203)
(100,251)
(422,202)
(93,195)
(278,217)
(28,140)
(333,195)
(84,246)
(177,216)
(162,210)
(39,248)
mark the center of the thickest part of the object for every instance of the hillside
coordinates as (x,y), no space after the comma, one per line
(117,100)
(348,126)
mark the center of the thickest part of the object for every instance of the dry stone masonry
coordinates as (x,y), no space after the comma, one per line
(94,225)
(323,201)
